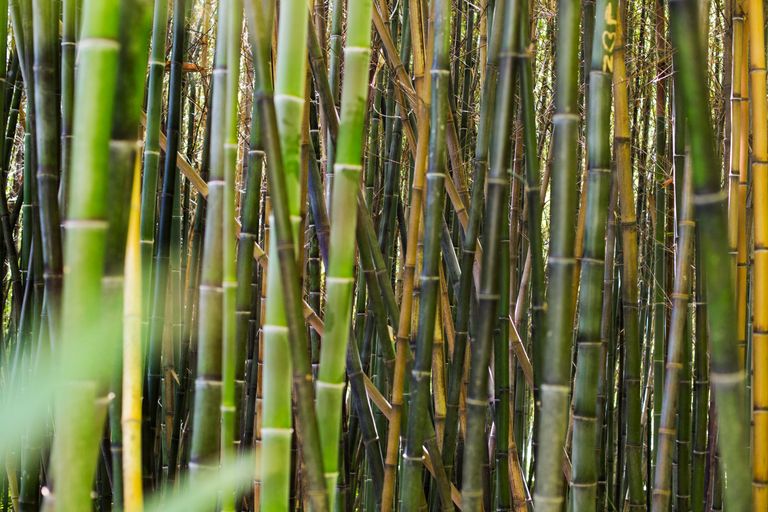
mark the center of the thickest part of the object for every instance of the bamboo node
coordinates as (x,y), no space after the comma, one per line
(583,485)
(93,224)
(275,329)
(99,43)
(330,385)
(547,499)
(727,377)
(710,198)
(555,388)
(337,167)
(562,260)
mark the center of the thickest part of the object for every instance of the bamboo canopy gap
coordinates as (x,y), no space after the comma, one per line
(329,255)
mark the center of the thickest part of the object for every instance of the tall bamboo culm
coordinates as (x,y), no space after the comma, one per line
(340,279)
(633,443)
(472,489)
(757,75)
(554,390)
(78,430)
(418,431)
(585,434)
(726,375)
(289,91)
(233,356)
(662,481)
(206,420)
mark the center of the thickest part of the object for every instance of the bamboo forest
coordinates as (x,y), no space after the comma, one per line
(383,255)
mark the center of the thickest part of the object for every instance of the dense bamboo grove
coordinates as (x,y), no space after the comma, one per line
(384,255)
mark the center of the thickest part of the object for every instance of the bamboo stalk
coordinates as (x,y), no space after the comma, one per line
(158,362)
(590,307)
(421,373)
(629,288)
(662,489)
(487,293)
(132,359)
(124,163)
(760,318)
(727,375)
(47,145)
(233,356)
(78,429)
(285,275)
(340,277)
(554,390)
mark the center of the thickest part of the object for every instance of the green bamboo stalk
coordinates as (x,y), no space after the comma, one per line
(662,481)
(7,247)
(276,405)
(156,360)
(410,250)
(683,441)
(283,322)
(554,390)
(151,150)
(194,274)
(487,293)
(250,216)
(659,256)
(364,216)
(533,191)
(388,217)
(417,432)
(206,422)
(629,282)
(605,370)
(334,81)
(340,278)
(21,23)
(480,164)
(9,85)
(726,374)
(78,432)
(67,72)
(124,153)
(47,145)
(233,356)
(598,186)
(501,360)
(700,389)
(189,339)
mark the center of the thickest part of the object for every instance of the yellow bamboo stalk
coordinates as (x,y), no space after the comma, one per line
(132,357)
(760,308)
(733,173)
(438,368)
(743,156)
(423,88)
